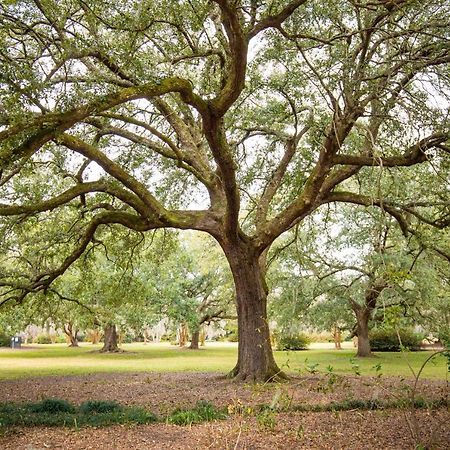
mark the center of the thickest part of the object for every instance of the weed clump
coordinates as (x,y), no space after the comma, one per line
(203,412)
(51,406)
(100,407)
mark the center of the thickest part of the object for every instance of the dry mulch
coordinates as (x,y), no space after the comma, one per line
(162,393)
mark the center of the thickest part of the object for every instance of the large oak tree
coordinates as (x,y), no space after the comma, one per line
(238,118)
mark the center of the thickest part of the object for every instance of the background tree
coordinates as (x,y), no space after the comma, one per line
(173,111)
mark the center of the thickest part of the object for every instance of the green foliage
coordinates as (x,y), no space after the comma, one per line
(100,407)
(56,412)
(231,332)
(5,340)
(297,342)
(203,412)
(44,339)
(387,340)
(372,404)
(266,419)
(52,406)
(445,339)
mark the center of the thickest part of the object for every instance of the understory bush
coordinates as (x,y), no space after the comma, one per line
(296,342)
(321,337)
(387,340)
(231,332)
(44,339)
(5,340)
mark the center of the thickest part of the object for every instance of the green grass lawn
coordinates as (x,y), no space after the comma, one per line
(57,359)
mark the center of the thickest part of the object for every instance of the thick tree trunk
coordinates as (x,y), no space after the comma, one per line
(195,340)
(362,331)
(364,312)
(110,339)
(72,334)
(255,356)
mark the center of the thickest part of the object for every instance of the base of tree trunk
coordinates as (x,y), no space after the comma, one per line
(195,341)
(272,375)
(111,339)
(364,350)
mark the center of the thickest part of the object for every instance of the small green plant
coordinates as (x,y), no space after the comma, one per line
(266,419)
(355,367)
(297,342)
(378,370)
(311,367)
(331,381)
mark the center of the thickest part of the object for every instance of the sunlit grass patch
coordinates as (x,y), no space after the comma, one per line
(216,357)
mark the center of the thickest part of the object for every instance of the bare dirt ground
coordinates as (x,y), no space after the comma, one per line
(162,393)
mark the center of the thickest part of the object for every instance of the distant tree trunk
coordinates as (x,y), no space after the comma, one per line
(195,340)
(145,335)
(202,337)
(72,334)
(110,339)
(95,336)
(183,335)
(337,338)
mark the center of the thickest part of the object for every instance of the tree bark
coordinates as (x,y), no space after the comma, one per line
(255,356)
(110,339)
(363,314)
(195,340)
(72,334)
(183,335)
(362,331)
(337,338)
(145,335)
(202,337)
(95,336)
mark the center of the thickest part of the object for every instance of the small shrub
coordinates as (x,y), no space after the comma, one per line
(139,415)
(5,340)
(100,407)
(52,406)
(266,420)
(297,342)
(60,339)
(231,332)
(44,339)
(168,337)
(386,340)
